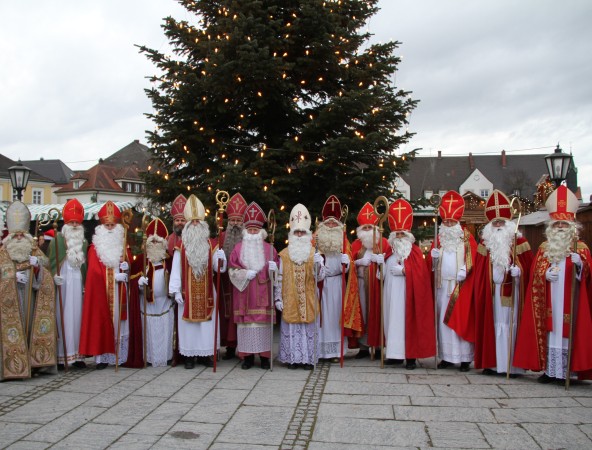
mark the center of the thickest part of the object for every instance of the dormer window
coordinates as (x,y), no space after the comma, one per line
(76,184)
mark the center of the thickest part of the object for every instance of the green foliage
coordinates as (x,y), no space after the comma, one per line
(283,101)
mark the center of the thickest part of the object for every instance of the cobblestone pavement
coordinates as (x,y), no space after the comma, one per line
(358,406)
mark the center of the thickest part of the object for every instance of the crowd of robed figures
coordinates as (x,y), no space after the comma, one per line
(494,304)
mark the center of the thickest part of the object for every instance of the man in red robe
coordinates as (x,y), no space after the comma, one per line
(104,331)
(502,268)
(367,254)
(559,284)
(451,261)
(408,302)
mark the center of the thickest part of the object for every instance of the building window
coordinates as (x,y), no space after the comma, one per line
(76,184)
(428,194)
(37,196)
(484,193)
(137,187)
(128,187)
(517,192)
(441,193)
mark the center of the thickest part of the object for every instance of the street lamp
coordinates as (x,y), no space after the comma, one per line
(19,177)
(557,165)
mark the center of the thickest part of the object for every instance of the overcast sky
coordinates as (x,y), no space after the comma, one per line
(490,75)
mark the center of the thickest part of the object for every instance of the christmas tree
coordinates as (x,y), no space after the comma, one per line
(283,101)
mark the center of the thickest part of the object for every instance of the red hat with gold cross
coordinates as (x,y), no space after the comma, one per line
(158,228)
(236,207)
(109,213)
(73,211)
(254,216)
(498,206)
(178,207)
(400,215)
(452,206)
(367,216)
(562,204)
(332,208)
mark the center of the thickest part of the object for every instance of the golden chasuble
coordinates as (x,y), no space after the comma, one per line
(298,289)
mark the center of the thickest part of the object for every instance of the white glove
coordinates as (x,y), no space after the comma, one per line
(318,258)
(462,274)
(575,259)
(345,259)
(379,258)
(397,270)
(143,281)
(272,266)
(22,277)
(121,277)
(279,305)
(552,275)
(363,261)
(219,254)
(515,271)
(35,262)
(124,266)
(251,274)
(58,280)
(179,298)
(435,253)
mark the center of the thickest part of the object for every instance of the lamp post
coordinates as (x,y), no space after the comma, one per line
(557,165)
(19,177)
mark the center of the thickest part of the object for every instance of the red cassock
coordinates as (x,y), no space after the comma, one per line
(460,314)
(97,334)
(531,342)
(485,350)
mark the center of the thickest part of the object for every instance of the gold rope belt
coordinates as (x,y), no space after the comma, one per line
(158,315)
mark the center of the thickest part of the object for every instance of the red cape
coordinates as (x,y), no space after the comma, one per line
(485,350)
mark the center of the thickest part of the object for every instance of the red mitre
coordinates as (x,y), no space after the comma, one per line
(332,209)
(49,235)
(254,216)
(109,213)
(400,215)
(562,204)
(236,207)
(452,206)
(498,206)
(367,216)
(178,207)
(73,211)
(157,227)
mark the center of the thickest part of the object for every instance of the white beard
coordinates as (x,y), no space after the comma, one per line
(498,241)
(401,246)
(252,255)
(19,249)
(559,242)
(366,237)
(299,247)
(74,237)
(451,237)
(330,239)
(109,245)
(197,246)
(156,249)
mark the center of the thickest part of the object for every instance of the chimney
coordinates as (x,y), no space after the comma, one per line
(504,162)
(439,154)
(471,161)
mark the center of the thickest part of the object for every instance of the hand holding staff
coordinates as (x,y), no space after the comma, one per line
(344,213)
(515,208)
(145,223)
(222,198)
(435,201)
(381,218)
(126,219)
(271,233)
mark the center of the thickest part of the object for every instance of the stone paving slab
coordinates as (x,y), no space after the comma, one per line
(47,407)
(579,415)
(130,411)
(456,435)
(359,377)
(162,419)
(62,426)
(217,406)
(134,441)
(367,399)
(275,393)
(12,432)
(558,436)
(342,387)
(455,402)
(507,436)
(257,425)
(28,445)
(442,414)
(534,389)
(437,379)
(313,445)
(469,391)
(102,436)
(359,411)
(113,394)
(545,402)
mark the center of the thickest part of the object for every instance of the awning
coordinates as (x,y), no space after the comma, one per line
(90,209)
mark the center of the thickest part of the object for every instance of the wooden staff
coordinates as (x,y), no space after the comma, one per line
(56,215)
(381,218)
(145,223)
(222,198)
(316,300)
(344,212)
(435,201)
(571,314)
(271,232)
(126,219)
(515,208)
(371,288)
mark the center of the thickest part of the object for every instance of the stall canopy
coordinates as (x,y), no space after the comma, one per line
(90,209)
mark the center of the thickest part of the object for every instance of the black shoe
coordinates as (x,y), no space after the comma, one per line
(265,363)
(79,364)
(207,361)
(545,379)
(307,366)
(60,367)
(292,366)
(411,365)
(248,362)
(489,372)
(515,375)
(189,362)
(393,362)
(101,366)
(444,364)
(362,354)
(230,353)
(465,366)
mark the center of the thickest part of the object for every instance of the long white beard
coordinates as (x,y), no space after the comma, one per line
(74,237)
(19,249)
(252,255)
(330,239)
(109,245)
(401,246)
(559,242)
(299,247)
(156,249)
(366,237)
(498,241)
(451,237)
(233,235)
(197,246)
